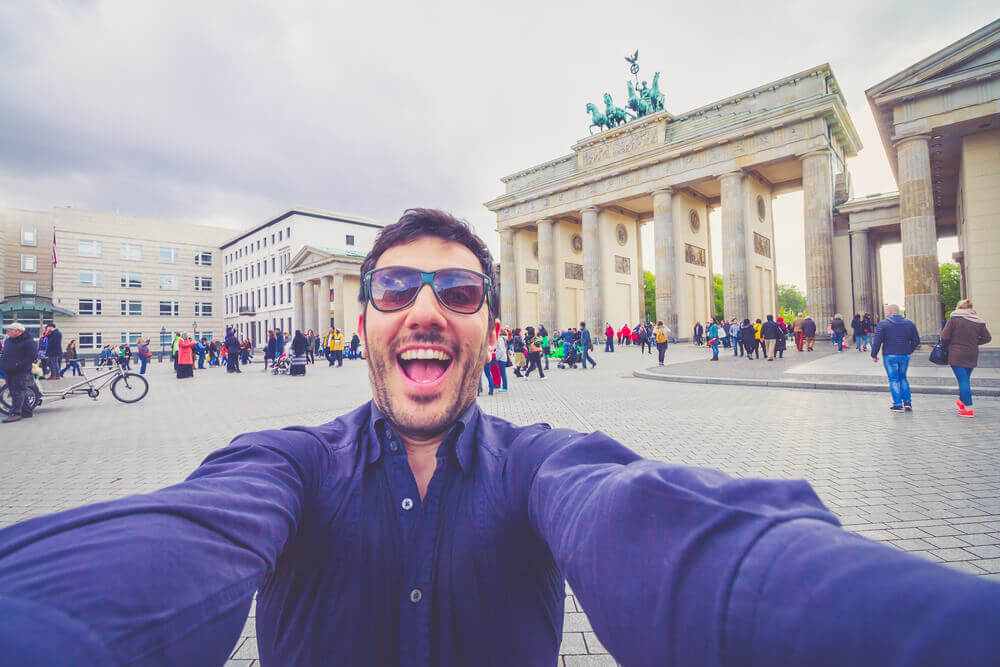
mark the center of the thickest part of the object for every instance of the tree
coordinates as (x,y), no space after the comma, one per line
(719,300)
(649,292)
(951,286)
(790,298)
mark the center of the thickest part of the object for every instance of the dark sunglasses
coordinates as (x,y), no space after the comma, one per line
(393,288)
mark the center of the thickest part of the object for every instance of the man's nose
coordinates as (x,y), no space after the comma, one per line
(426,311)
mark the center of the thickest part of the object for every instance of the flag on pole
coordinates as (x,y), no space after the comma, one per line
(55,262)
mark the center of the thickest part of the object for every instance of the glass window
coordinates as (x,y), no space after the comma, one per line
(350,239)
(29,263)
(90,278)
(169,282)
(170,308)
(89,248)
(168,255)
(203,309)
(203,258)
(29,236)
(89,307)
(131,337)
(279,236)
(131,308)
(207,335)
(87,340)
(166,339)
(132,252)
(29,287)
(288,233)
(202,284)
(131,279)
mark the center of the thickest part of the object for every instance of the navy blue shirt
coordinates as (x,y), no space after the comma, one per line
(673,565)
(895,335)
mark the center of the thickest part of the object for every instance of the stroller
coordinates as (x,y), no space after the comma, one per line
(282,365)
(571,359)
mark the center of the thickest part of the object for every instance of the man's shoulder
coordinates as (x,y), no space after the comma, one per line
(503,440)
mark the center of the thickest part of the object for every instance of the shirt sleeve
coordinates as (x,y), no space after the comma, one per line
(162,578)
(688,566)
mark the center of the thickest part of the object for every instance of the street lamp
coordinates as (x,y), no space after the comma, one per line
(194,327)
(163,332)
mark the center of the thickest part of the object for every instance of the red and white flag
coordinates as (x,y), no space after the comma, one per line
(55,262)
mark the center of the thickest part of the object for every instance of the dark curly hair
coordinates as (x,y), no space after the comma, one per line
(418,222)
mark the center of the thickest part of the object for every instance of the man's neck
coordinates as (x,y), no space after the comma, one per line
(421,454)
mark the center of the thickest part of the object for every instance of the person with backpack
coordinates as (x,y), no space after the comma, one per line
(533,347)
(660,335)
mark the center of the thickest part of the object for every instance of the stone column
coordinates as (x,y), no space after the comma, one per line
(664,252)
(340,304)
(876,249)
(309,306)
(861,272)
(508,279)
(641,271)
(593,306)
(734,248)
(547,307)
(817,195)
(323,306)
(298,313)
(921,277)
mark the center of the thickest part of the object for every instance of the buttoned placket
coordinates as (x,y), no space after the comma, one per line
(420,523)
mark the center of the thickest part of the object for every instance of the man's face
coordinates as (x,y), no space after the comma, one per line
(422,397)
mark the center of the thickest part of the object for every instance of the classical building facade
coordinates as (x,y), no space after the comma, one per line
(326,282)
(570,229)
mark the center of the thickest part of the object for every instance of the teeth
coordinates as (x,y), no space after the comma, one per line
(424,353)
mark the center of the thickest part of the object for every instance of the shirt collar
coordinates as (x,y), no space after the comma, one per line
(461,437)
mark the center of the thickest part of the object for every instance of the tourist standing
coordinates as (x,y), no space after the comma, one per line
(53,350)
(517,348)
(733,329)
(713,339)
(897,337)
(185,356)
(646,339)
(202,349)
(661,340)
(15,361)
(144,355)
(964,332)
(798,331)
(310,342)
(338,348)
(500,359)
(70,357)
(769,332)
(869,326)
(808,333)
(300,345)
(698,332)
(232,351)
(586,345)
(858,331)
(269,348)
(609,337)
(839,330)
(279,343)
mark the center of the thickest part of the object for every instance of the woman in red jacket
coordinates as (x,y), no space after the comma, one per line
(185,359)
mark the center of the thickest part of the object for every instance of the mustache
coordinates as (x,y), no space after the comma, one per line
(426,338)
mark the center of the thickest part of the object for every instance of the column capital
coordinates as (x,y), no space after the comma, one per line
(300,283)
(545,221)
(732,174)
(858,232)
(507,231)
(819,152)
(589,209)
(925,138)
(669,190)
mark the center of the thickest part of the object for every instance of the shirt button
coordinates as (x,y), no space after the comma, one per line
(415,595)
(407,504)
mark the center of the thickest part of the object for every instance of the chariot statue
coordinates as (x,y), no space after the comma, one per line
(642,101)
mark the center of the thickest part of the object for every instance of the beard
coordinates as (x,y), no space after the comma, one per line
(433,415)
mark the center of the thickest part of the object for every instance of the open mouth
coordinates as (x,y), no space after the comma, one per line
(424,365)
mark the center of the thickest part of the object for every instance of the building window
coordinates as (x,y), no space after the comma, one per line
(202,284)
(131,252)
(274,299)
(169,282)
(90,340)
(29,236)
(203,258)
(166,339)
(289,292)
(207,335)
(89,307)
(29,287)
(272,265)
(279,236)
(90,278)
(203,309)
(29,263)
(131,308)
(131,337)
(131,280)
(170,308)
(288,233)
(89,248)
(168,255)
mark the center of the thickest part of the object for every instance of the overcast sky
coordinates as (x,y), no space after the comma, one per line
(229,112)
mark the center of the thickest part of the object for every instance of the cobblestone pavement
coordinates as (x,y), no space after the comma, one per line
(927,482)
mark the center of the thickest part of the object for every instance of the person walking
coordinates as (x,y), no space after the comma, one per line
(858,331)
(517,348)
(646,339)
(338,348)
(300,346)
(53,350)
(869,326)
(587,346)
(185,356)
(533,347)
(310,343)
(839,330)
(144,355)
(661,336)
(746,338)
(232,351)
(500,360)
(712,338)
(698,333)
(609,337)
(798,331)
(18,354)
(964,332)
(782,342)
(897,338)
(201,348)
(808,333)
(279,338)
(769,332)
(733,331)
(70,357)
(269,349)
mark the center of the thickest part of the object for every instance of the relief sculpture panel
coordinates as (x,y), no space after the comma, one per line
(531,276)
(694,255)
(761,245)
(574,271)
(623,265)
(619,146)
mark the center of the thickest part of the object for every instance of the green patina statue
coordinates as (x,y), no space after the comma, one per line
(642,101)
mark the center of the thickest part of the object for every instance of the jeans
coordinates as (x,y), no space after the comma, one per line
(838,341)
(503,373)
(201,360)
(534,361)
(72,363)
(19,386)
(737,350)
(646,343)
(895,368)
(964,377)
(661,348)
(609,344)
(868,339)
(489,376)
(338,356)
(586,357)
(545,356)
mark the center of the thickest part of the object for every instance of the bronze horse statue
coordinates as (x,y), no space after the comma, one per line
(615,115)
(597,119)
(656,98)
(640,105)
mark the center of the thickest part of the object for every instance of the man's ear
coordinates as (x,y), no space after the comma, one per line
(362,333)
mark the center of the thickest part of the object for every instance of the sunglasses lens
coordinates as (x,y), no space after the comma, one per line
(393,288)
(460,290)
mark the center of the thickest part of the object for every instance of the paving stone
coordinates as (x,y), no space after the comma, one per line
(593,644)
(953,554)
(572,643)
(908,533)
(945,542)
(986,551)
(589,661)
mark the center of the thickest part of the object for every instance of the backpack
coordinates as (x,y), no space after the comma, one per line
(661,336)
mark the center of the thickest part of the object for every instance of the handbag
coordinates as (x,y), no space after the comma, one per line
(939,354)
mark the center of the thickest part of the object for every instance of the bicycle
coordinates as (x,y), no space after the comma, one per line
(126,386)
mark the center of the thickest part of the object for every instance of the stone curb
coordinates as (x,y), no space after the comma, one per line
(797,384)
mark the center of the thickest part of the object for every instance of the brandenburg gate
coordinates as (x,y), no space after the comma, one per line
(570,229)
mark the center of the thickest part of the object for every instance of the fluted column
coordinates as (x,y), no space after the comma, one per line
(547,307)
(664,245)
(817,195)
(876,249)
(641,272)
(340,304)
(593,306)
(298,313)
(508,279)
(734,247)
(309,306)
(323,306)
(921,277)
(861,272)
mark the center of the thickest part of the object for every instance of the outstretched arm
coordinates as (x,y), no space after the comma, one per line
(678,565)
(162,578)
